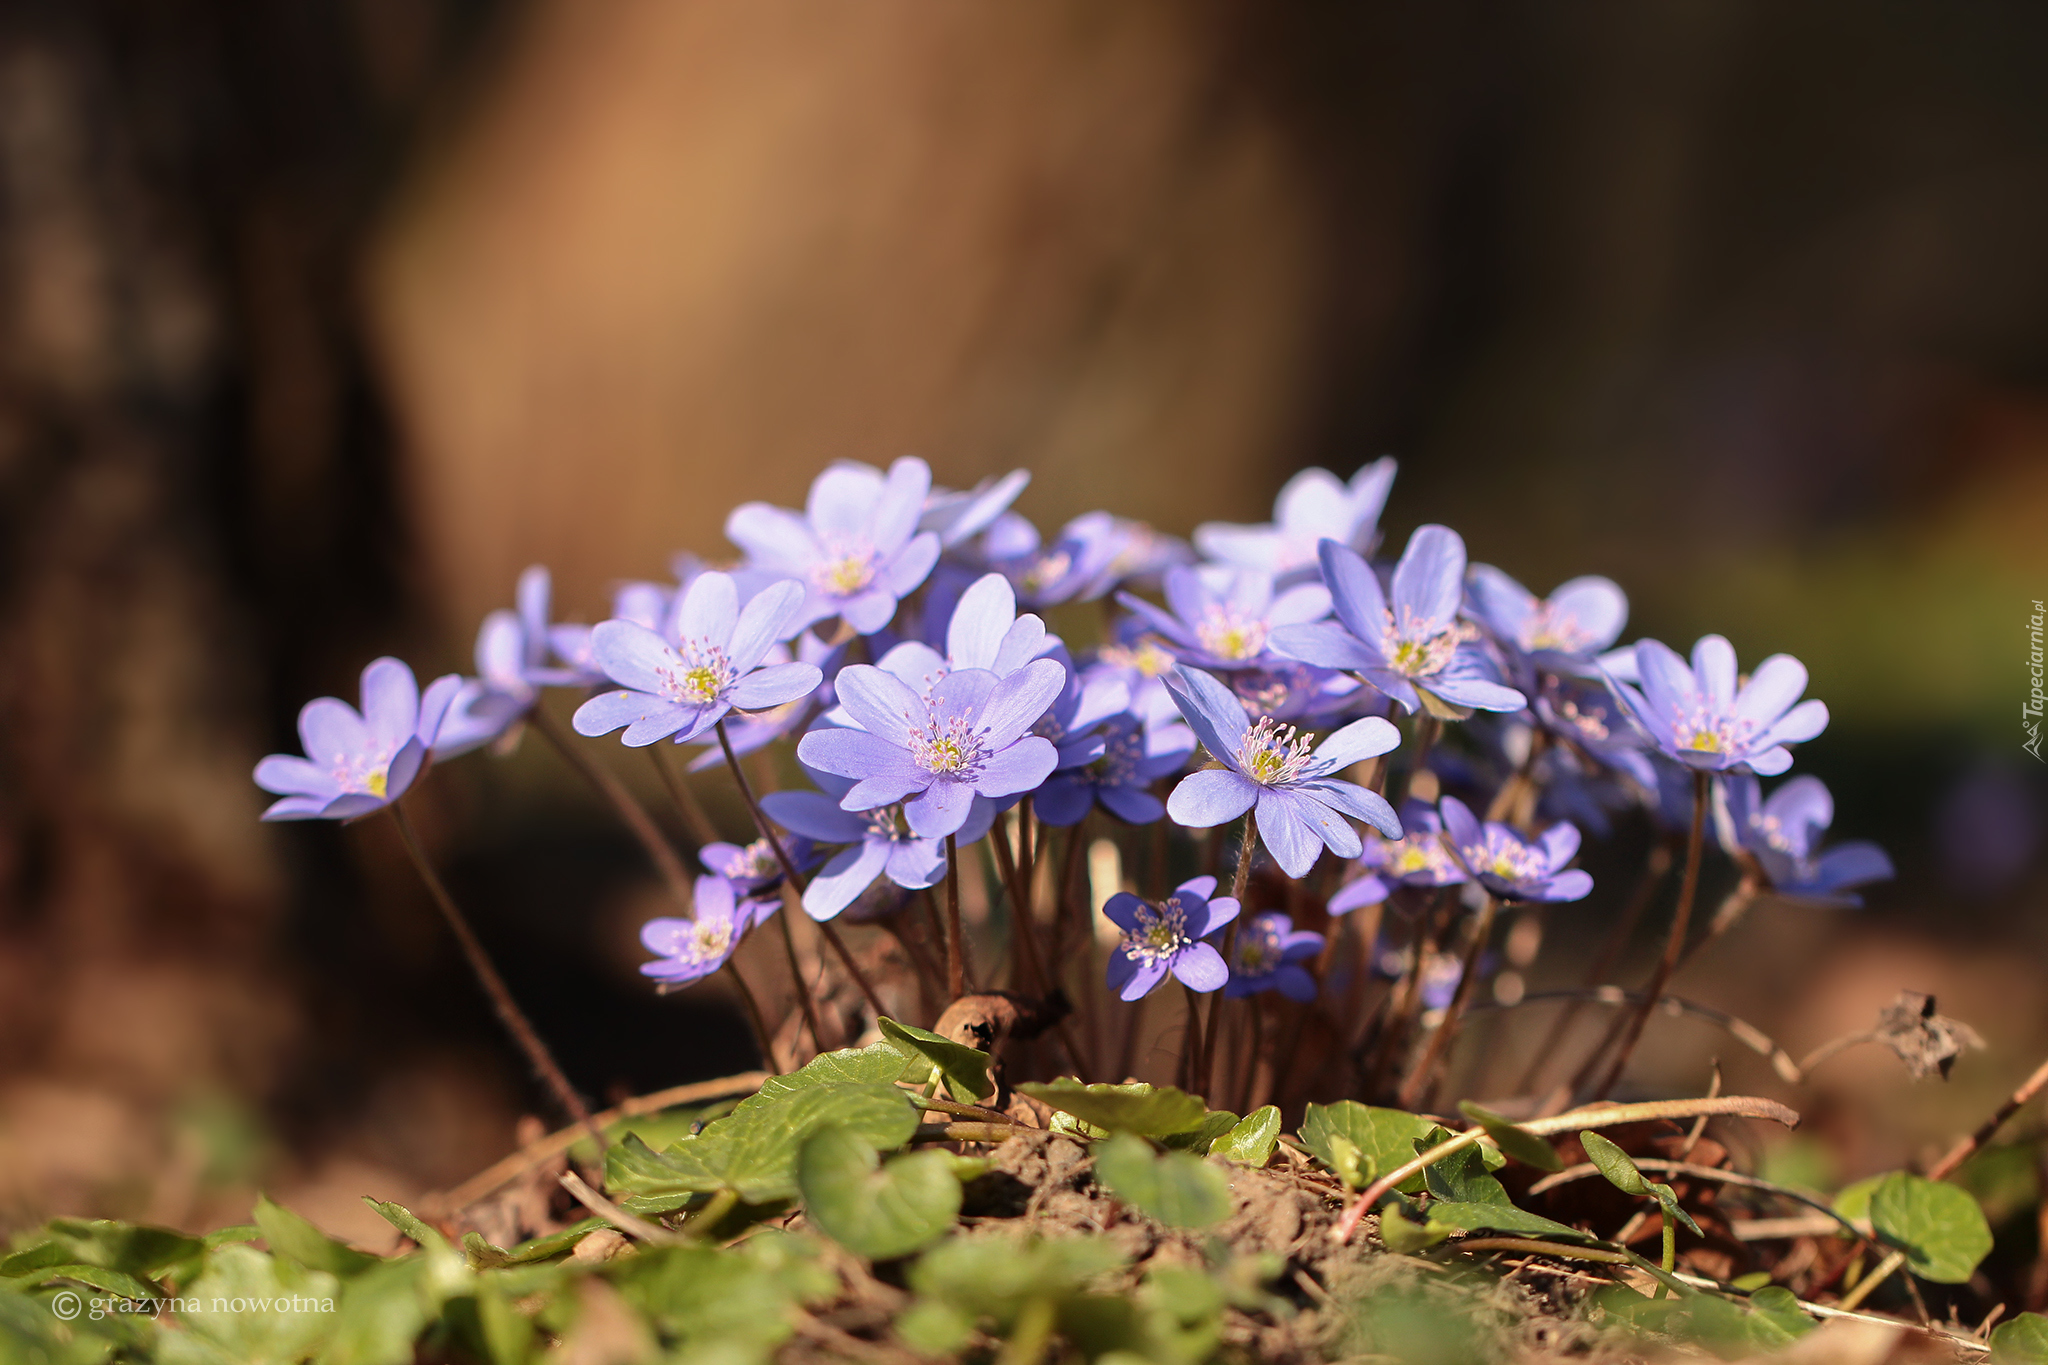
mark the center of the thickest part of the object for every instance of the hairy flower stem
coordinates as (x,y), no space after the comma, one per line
(1191,1059)
(1238,885)
(956,951)
(1406,1002)
(509,1013)
(1427,728)
(796,884)
(789,900)
(659,850)
(1424,1075)
(695,818)
(1020,907)
(763,1039)
(1674,946)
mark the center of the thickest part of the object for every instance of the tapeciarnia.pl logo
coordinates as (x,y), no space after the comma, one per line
(2030,712)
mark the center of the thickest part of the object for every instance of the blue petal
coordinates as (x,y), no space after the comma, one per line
(1286,835)
(1201,968)
(773,537)
(883,705)
(842,500)
(1211,797)
(1354,592)
(1360,740)
(1429,581)
(815,816)
(1015,703)
(768,616)
(1326,644)
(776,685)
(333,732)
(709,610)
(939,809)
(1210,709)
(1019,768)
(840,882)
(984,615)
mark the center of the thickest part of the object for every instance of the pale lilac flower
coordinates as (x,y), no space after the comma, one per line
(1091,555)
(753,730)
(983,630)
(1267,957)
(692,949)
(1783,833)
(1417,858)
(511,665)
(935,751)
(856,547)
(1124,758)
(1221,619)
(1512,867)
(877,844)
(1699,716)
(1301,804)
(359,762)
(686,687)
(1561,632)
(1411,646)
(1314,506)
(1167,938)
(960,516)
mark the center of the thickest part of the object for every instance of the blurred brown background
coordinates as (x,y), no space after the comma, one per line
(319,321)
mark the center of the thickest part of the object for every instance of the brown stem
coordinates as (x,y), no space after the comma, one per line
(1191,1058)
(796,971)
(1426,729)
(509,1013)
(1406,1002)
(659,849)
(1674,946)
(1238,886)
(695,818)
(762,1037)
(1960,1153)
(1020,908)
(956,951)
(1446,1031)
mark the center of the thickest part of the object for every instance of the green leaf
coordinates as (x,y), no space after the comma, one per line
(406,1221)
(1518,1142)
(1502,1218)
(753,1150)
(258,1309)
(1615,1164)
(734,1302)
(100,1277)
(1175,1188)
(964,1069)
(876,1210)
(1349,1164)
(2023,1341)
(1939,1227)
(1384,1138)
(1781,1307)
(135,1248)
(1407,1235)
(382,1312)
(295,1239)
(933,1328)
(1853,1203)
(1461,1178)
(1252,1141)
(1667,1200)
(876,1064)
(1134,1108)
(995,1277)
(1202,1138)
(554,1244)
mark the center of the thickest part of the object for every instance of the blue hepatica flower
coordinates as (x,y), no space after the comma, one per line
(359,761)
(1221,618)
(876,843)
(512,666)
(1314,506)
(1091,555)
(966,735)
(1417,858)
(758,729)
(1301,806)
(1167,938)
(692,949)
(1561,632)
(1783,833)
(983,630)
(1699,716)
(960,516)
(1267,957)
(1411,646)
(685,688)
(1511,867)
(856,547)
(1125,758)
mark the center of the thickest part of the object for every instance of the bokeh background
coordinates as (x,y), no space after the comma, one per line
(319,321)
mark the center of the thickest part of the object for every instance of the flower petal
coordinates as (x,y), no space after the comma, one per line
(709,610)
(773,537)
(1211,710)
(1776,684)
(939,809)
(881,702)
(1201,968)
(839,883)
(332,732)
(984,614)
(1460,824)
(1286,835)
(1429,582)
(290,775)
(776,685)
(391,703)
(815,816)
(1133,805)
(900,504)
(1713,663)
(1326,644)
(843,499)
(1801,723)
(1211,797)
(769,616)
(1019,768)
(1356,742)
(634,656)
(903,571)
(1355,594)
(854,753)
(1359,803)
(1015,704)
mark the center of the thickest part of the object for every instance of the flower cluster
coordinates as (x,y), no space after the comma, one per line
(1262,671)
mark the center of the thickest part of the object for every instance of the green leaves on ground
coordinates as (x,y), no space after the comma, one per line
(964,1069)
(1517,1141)
(2023,1341)
(1251,1142)
(1361,1142)
(1135,1108)
(1938,1226)
(286,1310)
(1178,1189)
(1623,1174)
(872,1209)
(297,1240)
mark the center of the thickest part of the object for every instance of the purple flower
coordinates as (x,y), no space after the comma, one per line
(1163,938)
(965,736)
(1593,722)
(1412,646)
(1141,663)
(1417,858)
(856,548)
(759,729)
(1511,867)
(1561,632)
(1783,833)
(1700,717)
(683,689)
(1267,955)
(1092,554)
(691,949)
(1132,756)
(1441,971)
(983,630)
(1301,807)
(645,604)
(957,516)
(754,868)
(1314,506)
(1302,694)
(876,843)
(512,666)
(1221,618)
(358,762)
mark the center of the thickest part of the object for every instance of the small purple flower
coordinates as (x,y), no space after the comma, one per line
(1783,833)
(960,516)
(1267,955)
(644,604)
(754,868)
(965,736)
(1561,632)
(1417,858)
(683,689)
(1302,694)
(512,666)
(1091,555)
(358,762)
(876,843)
(1314,506)
(1412,647)
(1159,939)
(1441,971)
(1221,618)
(692,949)
(1511,867)
(1593,722)
(983,630)
(758,729)
(1700,717)
(1301,807)
(1132,757)
(1141,663)
(856,548)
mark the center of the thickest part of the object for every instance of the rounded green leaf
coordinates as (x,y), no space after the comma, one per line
(1175,1188)
(1518,1142)
(1939,1227)
(1380,1138)
(1135,1108)
(1614,1164)
(876,1210)
(964,1069)
(2023,1341)
(1252,1141)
